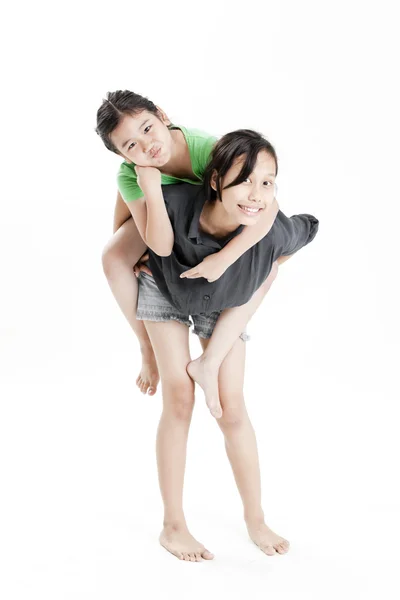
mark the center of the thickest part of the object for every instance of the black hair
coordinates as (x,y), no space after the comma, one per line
(239,143)
(114,107)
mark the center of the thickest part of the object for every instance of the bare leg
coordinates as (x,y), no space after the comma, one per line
(171,346)
(241,448)
(231,323)
(119,257)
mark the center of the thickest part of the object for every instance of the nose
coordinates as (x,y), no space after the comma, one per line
(146,146)
(254,195)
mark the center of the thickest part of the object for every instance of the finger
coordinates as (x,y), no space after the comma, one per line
(145,256)
(189,273)
(145,269)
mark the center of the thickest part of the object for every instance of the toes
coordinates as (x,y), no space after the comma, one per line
(207,555)
(280,548)
(192,557)
(151,391)
(186,557)
(270,550)
(216,410)
(141,384)
(198,557)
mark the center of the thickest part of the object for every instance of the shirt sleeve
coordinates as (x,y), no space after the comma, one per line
(293,233)
(200,154)
(128,185)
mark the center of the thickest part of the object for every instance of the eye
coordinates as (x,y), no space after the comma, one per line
(132,145)
(147,129)
(268,183)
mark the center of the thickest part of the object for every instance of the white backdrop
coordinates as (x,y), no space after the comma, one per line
(81,510)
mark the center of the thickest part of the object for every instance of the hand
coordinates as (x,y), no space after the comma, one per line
(147,177)
(142,267)
(211,268)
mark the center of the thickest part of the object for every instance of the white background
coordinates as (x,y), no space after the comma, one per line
(81,510)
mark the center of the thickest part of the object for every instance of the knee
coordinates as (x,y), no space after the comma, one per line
(113,257)
(178,396)
(233,415)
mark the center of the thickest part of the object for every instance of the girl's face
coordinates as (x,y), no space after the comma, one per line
(144,139)
(245,203)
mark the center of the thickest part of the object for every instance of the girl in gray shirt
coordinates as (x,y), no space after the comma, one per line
(239,186)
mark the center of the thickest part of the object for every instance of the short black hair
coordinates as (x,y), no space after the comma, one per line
(242,142)
(115,106)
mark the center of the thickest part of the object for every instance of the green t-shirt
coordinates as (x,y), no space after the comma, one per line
(200,145)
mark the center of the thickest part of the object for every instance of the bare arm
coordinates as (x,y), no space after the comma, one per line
(150,213)
(215,265)
(249,236)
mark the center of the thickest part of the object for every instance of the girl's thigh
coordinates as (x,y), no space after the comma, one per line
(126,243)
(170,341)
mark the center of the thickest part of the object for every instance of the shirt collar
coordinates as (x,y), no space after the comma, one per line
(200,236)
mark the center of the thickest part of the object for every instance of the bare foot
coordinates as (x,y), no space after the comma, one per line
(206,376)
(148,376)
(182,544)
(268,541)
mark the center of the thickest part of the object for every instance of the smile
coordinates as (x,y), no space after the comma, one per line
(249,211)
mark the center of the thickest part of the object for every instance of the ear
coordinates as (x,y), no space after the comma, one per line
(163,117)
(213,181)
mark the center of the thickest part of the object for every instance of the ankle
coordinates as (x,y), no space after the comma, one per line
(175,524)
(254,518)
(209,361)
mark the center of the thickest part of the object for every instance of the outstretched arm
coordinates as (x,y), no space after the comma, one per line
(293,233)
(249,236)
(215,265)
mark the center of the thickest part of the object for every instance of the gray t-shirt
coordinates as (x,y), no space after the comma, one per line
(239,282)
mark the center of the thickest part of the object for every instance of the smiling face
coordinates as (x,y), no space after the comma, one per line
(143,139)
(244,203)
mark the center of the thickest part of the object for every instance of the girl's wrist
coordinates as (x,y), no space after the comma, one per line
(151,190)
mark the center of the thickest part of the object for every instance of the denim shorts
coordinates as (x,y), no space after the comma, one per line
(152,306)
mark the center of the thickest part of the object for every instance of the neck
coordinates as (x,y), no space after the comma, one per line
(178,153)
(215,220)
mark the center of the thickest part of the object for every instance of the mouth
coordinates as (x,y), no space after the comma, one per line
(155,153)
(250,210)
